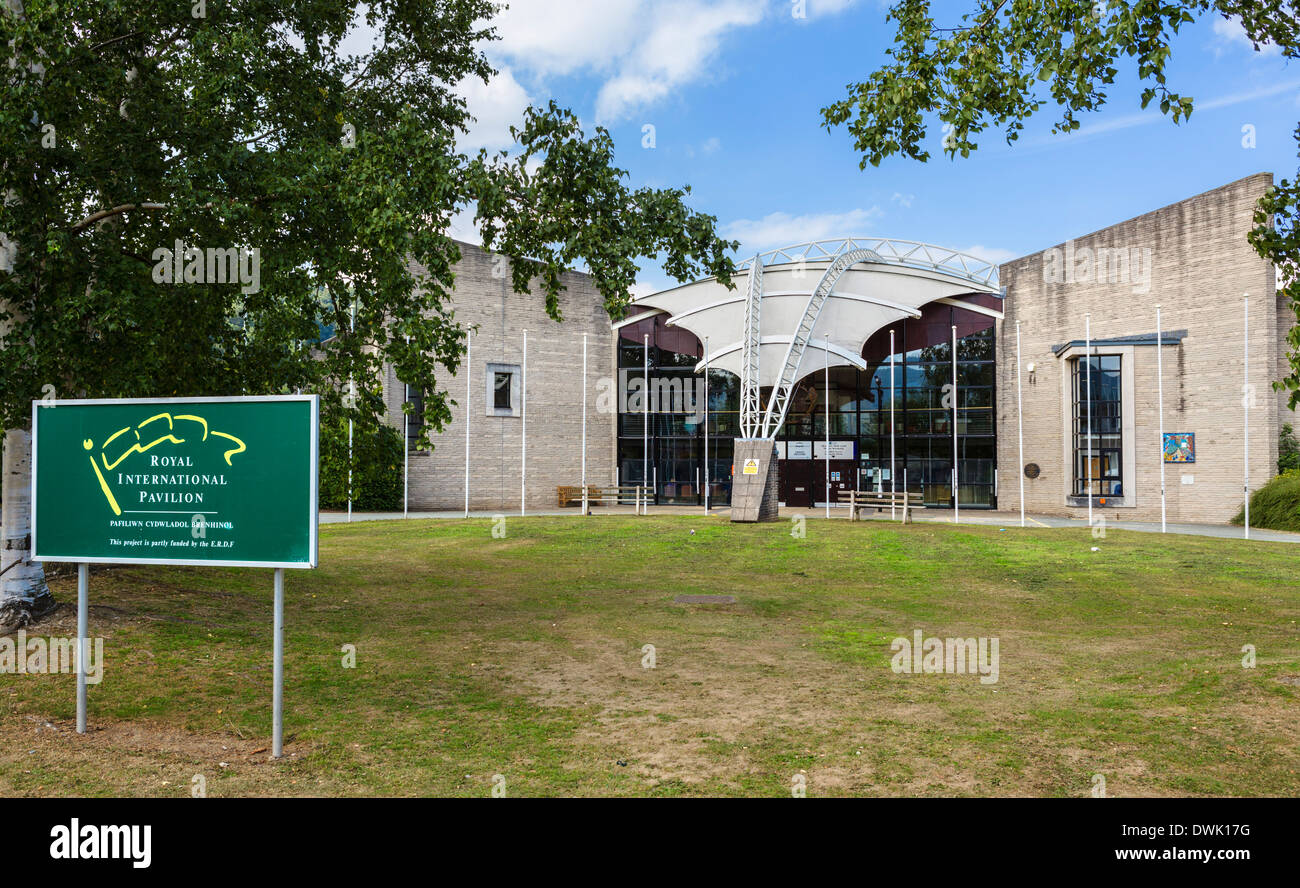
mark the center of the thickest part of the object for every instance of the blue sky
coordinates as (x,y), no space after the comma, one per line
(733,89)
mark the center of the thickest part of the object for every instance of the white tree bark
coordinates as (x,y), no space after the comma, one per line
(24,595)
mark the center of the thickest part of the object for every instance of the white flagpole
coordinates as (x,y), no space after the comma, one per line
(584,423)
(406,449)
(469,369)
(827,355)
(1245,402)
(352,393)
(1087,334)
(706,425)
(956,479)
(892,471)
(645,412)
(1020,428)
(1160,408)
(469,347)
(523,451)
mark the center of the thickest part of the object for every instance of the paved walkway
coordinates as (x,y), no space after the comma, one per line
(1012,519)
(941,516)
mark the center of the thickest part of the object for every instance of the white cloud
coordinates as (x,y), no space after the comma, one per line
(563,36)
(782,229)
(645,288)
(1129,121)
(643,50)
(817,8)
(496,105)
(996,255)
(1229,34)
(462,225)
(903,200)
(678,47)
(711,145)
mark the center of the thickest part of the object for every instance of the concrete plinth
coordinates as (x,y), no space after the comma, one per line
(755,481)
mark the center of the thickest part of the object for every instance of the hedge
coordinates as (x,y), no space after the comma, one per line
(376,466)
(1276,505)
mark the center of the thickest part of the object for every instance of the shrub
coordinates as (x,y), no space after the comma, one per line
(376,466)
(1276,505)
(1288,450)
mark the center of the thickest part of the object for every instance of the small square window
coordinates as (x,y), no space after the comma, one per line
(503,394)
(501,390)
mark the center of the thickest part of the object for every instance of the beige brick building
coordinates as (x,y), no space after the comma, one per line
(485,300)
(1192,259)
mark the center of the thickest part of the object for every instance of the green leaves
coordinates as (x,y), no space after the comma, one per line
(989,74)
(1276,237)
(244,129)
(561,201)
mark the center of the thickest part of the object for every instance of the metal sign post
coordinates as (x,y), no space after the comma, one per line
(227,482)
(277,669)
(83,641)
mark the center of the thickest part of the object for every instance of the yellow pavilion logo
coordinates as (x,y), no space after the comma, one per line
(166,478)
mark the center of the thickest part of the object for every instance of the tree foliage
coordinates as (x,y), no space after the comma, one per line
(1011,58)
(376,464)
(129,126)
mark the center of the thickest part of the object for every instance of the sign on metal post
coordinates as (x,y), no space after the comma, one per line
(229,482)
(220,481)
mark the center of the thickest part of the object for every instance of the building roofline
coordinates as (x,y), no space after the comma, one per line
(1263,174)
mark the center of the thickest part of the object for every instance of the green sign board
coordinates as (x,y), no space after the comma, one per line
(220,481)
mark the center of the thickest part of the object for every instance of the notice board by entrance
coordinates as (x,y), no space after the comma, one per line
(220,481)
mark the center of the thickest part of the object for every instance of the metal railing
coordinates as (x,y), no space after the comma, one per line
(912,254)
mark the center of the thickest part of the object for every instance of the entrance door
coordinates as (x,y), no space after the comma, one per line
(841,478)
(797,482)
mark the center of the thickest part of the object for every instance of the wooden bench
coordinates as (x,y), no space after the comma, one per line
(861,500)
(618,495)
(572,495)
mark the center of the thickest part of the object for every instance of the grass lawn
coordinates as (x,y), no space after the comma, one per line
(522,656)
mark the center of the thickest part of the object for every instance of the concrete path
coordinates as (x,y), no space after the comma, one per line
(1008,520)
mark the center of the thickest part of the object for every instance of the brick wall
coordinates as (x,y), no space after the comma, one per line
(1201,264)
(553,403)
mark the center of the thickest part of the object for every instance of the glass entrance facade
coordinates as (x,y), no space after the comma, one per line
(859,416)
(922,399)
(673,402)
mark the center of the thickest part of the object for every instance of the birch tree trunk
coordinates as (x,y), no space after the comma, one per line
(24,596)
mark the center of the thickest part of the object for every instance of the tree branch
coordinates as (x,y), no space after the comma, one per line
(115,211)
